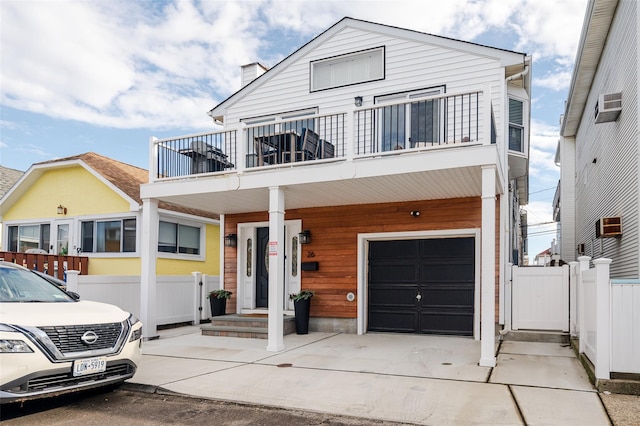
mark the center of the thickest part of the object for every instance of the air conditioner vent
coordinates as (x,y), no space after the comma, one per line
(608,107)
(608,227)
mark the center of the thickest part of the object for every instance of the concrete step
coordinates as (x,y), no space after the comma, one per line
(248,326)
(536,336)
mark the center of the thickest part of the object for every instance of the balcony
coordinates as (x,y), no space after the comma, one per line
(384,130)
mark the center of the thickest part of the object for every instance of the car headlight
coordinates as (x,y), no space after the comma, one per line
(135,334)
(14,346)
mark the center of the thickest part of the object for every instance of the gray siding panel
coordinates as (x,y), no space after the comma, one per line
(607,153)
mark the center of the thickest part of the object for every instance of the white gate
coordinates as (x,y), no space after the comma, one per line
(540,298)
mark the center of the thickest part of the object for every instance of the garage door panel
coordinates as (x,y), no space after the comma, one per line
(445,247)
(393,296)
(384,272)
(447,296)
(438,322)
(447,273)
(386,320)
(393,249)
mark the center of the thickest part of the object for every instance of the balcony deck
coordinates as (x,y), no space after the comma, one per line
(414,125)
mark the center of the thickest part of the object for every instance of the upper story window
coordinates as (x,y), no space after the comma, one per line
(178,238)
(343,70)
(516,125)
(108,236)
(25,237)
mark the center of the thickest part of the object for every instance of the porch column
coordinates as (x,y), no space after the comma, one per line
(275,340)
(148,249)
(488,266)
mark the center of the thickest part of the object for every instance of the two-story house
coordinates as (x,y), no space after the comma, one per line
(598,198)
(380,167)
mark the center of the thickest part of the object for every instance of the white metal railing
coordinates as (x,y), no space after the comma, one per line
(430,122)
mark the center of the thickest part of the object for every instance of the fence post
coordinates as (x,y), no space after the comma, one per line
(197,283)
(584,266)
(573,299)
(603,319)
(72,281)
(508,300)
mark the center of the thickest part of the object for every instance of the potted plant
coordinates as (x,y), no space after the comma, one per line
(301,306)
(218,301)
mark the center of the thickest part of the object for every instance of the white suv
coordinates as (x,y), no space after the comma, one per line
(52,343)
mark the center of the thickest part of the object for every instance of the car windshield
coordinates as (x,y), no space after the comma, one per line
(21,285)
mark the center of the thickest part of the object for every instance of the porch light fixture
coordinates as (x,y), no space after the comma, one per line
(358,101)
(304,237)
(62,209)
(415,213)
(231,240)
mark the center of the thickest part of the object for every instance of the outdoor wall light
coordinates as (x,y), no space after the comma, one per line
(62,209)
(358,101)
(231,240)
(304,237)
(415,213)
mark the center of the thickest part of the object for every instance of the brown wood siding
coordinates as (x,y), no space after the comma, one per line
(334,236)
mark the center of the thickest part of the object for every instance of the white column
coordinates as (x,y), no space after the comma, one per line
(582,327)
(603,319)
(275,340)
(488,279)
(148,250)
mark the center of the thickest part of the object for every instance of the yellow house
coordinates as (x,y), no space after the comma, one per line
(90,205)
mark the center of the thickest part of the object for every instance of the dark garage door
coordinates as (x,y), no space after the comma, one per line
(422,286)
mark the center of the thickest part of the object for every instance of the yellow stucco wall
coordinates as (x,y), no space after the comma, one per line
(75,188)
(84,194)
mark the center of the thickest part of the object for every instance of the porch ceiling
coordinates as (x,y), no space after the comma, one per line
(435,184)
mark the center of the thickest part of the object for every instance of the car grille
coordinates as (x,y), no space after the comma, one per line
(53,384)
(67,339)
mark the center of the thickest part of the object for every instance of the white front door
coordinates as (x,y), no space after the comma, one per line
(61,237)
(253,268)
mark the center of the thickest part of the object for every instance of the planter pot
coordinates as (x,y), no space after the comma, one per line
(218,306)
(301,308)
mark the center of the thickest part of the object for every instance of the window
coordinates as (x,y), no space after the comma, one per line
(516,125)
(351,68)
(109,236)
(178,238)
(25,237)
(408,125)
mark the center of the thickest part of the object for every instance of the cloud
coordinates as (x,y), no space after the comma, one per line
(163,64)
(558,80)
(544,140)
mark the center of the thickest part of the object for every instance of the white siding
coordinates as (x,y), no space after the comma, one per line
(607,153)
(568,245)
(409,65)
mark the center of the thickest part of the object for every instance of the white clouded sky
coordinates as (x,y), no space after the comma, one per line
(103,76)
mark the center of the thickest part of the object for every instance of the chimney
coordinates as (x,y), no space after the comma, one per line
(250,72)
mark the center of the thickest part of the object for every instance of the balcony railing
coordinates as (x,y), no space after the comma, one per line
(410,124)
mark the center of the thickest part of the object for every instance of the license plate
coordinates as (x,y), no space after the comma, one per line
(82,367)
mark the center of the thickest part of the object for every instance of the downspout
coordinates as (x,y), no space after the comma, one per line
(520,74)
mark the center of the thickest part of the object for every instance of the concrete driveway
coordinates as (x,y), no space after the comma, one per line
(404,378)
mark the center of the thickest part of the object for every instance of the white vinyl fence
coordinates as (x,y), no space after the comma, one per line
(625,332)
(179,298)
(608,320)
(540,298)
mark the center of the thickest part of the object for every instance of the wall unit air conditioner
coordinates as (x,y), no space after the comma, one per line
(608,227)
(608,107)
(581,249)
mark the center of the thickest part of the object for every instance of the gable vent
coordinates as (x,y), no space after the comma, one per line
(608,107)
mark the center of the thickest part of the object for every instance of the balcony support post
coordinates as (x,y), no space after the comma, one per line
(148,279)
(488,267)
(275,339)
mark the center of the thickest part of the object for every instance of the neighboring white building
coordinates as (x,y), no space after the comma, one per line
(599,190)
(405,157)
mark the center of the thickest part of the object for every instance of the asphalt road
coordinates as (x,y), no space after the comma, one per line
(125,407)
